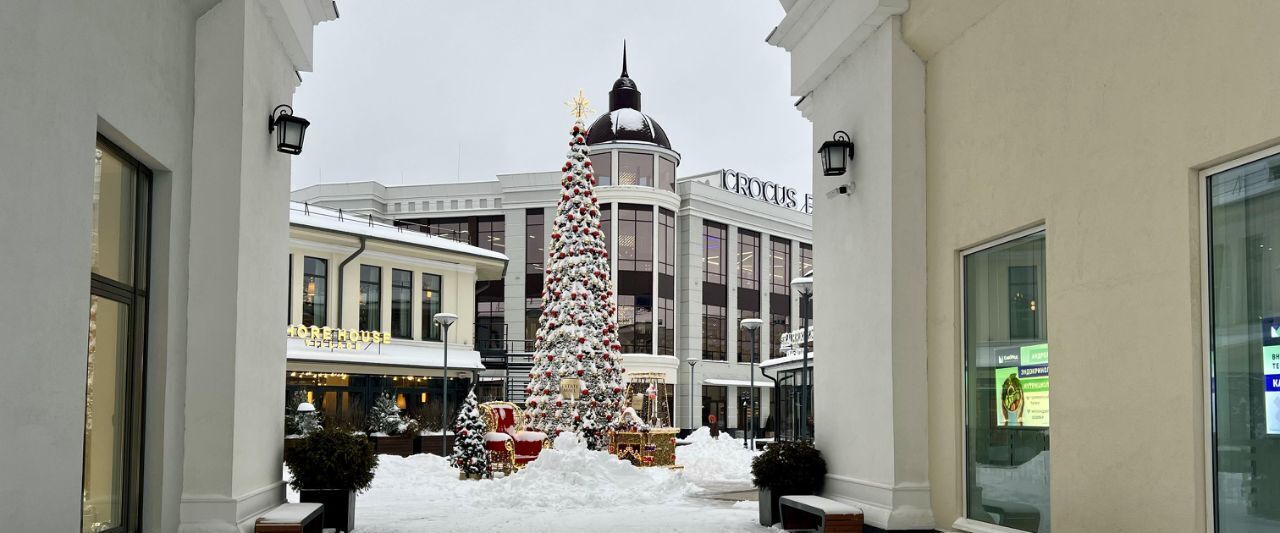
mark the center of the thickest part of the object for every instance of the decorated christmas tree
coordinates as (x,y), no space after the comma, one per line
(469,455)
(385,418)
(576,384)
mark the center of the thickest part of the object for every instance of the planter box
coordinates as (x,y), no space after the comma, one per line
(769,513)
(339,506)
(431,444)
(401,445)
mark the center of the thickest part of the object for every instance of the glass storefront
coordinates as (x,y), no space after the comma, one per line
(346,399)
(1007,385)
(1244,356)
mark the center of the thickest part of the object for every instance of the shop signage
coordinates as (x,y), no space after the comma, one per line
(765,191)
(1271,372)
(1022,385)
(326,337)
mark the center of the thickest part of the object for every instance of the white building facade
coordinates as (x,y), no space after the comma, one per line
(691,257)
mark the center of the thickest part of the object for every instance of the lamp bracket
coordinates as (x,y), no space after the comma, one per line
(275,114)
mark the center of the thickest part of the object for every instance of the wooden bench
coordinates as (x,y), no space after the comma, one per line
(818,514)
(291,518)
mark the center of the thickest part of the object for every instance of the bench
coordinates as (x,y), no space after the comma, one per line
(818,514)
(291,518)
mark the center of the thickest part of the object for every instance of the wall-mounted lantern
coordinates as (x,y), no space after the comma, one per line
(836,154)
(292,129)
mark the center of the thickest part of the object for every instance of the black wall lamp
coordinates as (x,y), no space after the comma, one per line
(292,130)
(836,154)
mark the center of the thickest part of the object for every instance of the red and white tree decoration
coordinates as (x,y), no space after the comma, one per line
(576,383)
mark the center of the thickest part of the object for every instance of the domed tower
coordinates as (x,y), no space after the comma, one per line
(635,166)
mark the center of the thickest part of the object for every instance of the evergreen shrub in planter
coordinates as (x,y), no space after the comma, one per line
(329,467)
(784,469)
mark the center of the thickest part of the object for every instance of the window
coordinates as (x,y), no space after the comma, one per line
(779,323)
(116,354)
(1006,387)
(489,324)
(713,333)
(666,325)
(714,269)
(532,320)
(666,174)
(370,298)
(714,398)
(602,168)
(635,323)
(315,289)
(401,304)
(780,267)
(744,338)
(536,252)
(1244,308)
(491,233)
(635,169)
(806,269)
(635,238)
(666,242)
(748,260)
(432,303)
(456,229)
(606,226)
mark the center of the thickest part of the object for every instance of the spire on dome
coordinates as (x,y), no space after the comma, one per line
(624,93)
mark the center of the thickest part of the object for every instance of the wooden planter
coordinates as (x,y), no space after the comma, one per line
(431,443)
(339,506)
(401,445)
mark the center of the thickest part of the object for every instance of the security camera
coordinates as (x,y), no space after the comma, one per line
(843,189)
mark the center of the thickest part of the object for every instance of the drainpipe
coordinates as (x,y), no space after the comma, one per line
(777,389)
(342,269)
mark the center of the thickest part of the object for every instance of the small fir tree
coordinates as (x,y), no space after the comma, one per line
(385,416)
(576,384)
(469,455)
(300,423)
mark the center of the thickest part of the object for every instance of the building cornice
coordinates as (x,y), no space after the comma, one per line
(820,34)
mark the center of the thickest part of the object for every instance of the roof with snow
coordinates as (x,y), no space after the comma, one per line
(323,218)
(624,122)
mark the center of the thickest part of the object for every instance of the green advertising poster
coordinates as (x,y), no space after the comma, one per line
(1022,386)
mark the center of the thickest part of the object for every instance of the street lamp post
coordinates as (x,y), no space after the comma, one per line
(692,425)
(751,325)
(445,320)
(805,287)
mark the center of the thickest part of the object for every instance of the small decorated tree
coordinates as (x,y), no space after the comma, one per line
(576,384)
(469,455)
(385,416)
(300,423)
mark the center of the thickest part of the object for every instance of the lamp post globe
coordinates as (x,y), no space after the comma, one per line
(751,325)
(445,320)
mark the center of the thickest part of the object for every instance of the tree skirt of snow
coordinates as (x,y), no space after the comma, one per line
(568,488)
(715,462)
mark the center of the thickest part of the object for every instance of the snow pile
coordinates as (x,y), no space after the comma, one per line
(570,476)
(714,461)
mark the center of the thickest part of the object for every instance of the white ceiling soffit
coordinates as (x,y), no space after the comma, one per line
(820,34)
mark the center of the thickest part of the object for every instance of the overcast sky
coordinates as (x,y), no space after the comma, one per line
(401,87)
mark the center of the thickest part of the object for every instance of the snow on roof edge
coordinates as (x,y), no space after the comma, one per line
(327,219)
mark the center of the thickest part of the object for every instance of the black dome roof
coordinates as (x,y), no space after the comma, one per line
(624,122)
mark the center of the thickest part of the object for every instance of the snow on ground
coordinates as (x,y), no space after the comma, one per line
(568,488)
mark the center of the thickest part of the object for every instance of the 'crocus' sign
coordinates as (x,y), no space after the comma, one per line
(765,191)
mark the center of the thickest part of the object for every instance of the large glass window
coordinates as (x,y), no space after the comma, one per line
(806,259)
(634,169)
(635,238)
(714,333)
(635,324)
(535,253)
(491,233)
(780,266)
(1006,386)
(457,229)
(401,303)
(432,303)
(666,242)
(370,298)
(714,268)
(606,227)
(744,338)
(666,326)
(602,168)
(666,174)
(748,259)
(1244,266)
(779,323)
(715,403)
(112,462)
(315,291)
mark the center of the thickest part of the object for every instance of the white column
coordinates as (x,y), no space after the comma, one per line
(870,273)
(689,308)
(766,289)
(517,246)
(731,306)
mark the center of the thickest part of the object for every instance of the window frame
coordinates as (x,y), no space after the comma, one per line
(428,319)
(134,295)
(320,287)
(963,375)
(408,304)
(362,308)
(1208,421)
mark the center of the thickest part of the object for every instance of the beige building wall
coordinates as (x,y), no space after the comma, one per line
(1092,118)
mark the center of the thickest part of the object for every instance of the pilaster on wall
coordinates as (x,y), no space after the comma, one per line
(235,350)
(514,281)
(870,284)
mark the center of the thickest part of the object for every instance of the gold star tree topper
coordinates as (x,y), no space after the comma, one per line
(579,106)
